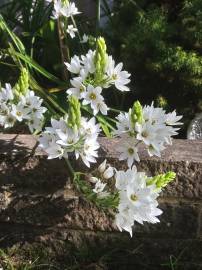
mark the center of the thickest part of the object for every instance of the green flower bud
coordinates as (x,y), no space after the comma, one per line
(100,58)
(161,180)
(65,2)
(136,113)
(74,113)
(22,85)
(91,41)
(162,102)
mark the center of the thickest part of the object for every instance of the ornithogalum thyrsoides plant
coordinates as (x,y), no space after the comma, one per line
(71,126)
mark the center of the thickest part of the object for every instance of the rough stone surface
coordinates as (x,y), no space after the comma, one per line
(38,205)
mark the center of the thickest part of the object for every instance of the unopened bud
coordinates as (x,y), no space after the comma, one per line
(108,173)
(102,166)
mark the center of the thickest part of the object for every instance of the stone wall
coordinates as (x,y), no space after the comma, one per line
(38,205)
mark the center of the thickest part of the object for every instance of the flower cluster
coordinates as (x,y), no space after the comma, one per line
(15,107)
(130,194)
(148,125)
(63,8)
(93,72)
(60,140)
(138,200)
(103,175)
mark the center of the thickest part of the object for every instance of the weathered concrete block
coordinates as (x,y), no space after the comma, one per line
(183,157)
(172,225)
(38,204)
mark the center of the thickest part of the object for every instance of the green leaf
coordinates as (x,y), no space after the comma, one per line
(106,130)
(14,38)
(111,201)
(37,67)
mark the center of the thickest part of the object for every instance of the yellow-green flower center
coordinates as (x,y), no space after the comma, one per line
(133,197)
(81,89)
(131,151)
(19,114)
(145,134)
(114,76)
(92,96)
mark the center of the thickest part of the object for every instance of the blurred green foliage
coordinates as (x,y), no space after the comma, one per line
(30,20)
(160,43)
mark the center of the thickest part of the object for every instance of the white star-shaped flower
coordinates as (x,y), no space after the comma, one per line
(93,97)
(74,66)
(84,39)
(71,30)
(78,88)
(69,10)
(117,76)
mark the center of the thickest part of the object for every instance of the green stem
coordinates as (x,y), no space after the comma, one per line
(115,110)
(64,58)
(72,172)
(75,25)
(98,3)
(32,47)
(7,64)
(34,85)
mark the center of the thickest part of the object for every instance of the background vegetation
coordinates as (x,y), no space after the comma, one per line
(159,42)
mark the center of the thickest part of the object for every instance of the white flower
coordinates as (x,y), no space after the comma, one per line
(109,172)
(84,39)
(35,123)
(9,121)
(172,119)
(46,140)
(99,187)
(155,149)
(93,97)
(146,132)
(58,6)
(102,107)
(67,138)
(78,88)
(124,220)
(59,140)
(75,65)
(28,108)
(32,109)
(32,101)
(88,62)
(64,9)
(90,128)
(19,112)
(93,179)
(71,30)
(155,131)
(102,166)
(54,151)
(69,10)
(123,178)
(89,152)
(155,116)
(129,151)
(105,170)
(123,124)
(117,76)
(6,93)
(137,200)
(4,112)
